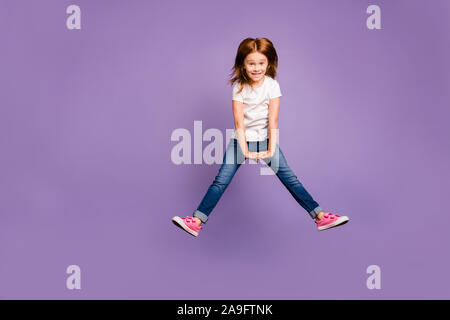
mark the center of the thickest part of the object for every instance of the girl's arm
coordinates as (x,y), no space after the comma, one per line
(238,114)
(274,109)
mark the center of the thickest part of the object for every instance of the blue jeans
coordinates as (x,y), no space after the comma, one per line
(232,160)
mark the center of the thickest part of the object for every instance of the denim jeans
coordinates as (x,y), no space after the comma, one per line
(232,160)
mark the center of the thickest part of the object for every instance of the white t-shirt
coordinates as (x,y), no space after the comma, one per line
(256,107)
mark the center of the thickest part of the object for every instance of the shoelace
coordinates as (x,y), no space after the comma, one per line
(328,215)
(192,220)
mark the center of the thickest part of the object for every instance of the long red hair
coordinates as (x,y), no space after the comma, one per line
(247,46)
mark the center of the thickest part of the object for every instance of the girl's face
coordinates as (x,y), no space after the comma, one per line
(255,66)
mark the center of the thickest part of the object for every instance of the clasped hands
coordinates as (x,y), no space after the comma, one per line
(259,155)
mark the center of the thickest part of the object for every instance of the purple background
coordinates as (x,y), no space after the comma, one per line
(86,175)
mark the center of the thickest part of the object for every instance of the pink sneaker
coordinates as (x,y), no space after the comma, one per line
(330,220)
(188,224)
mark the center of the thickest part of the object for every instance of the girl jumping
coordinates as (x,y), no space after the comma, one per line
(256,104)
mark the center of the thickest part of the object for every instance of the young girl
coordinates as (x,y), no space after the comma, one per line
(256,103)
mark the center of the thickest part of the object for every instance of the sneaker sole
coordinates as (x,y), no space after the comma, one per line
(179,223)
(340,221)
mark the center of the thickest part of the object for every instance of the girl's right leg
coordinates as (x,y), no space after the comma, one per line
(232,160)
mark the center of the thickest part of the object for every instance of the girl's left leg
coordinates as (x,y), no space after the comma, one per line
(280,166)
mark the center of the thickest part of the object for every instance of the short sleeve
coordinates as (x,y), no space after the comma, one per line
(275,90)
(237,96)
